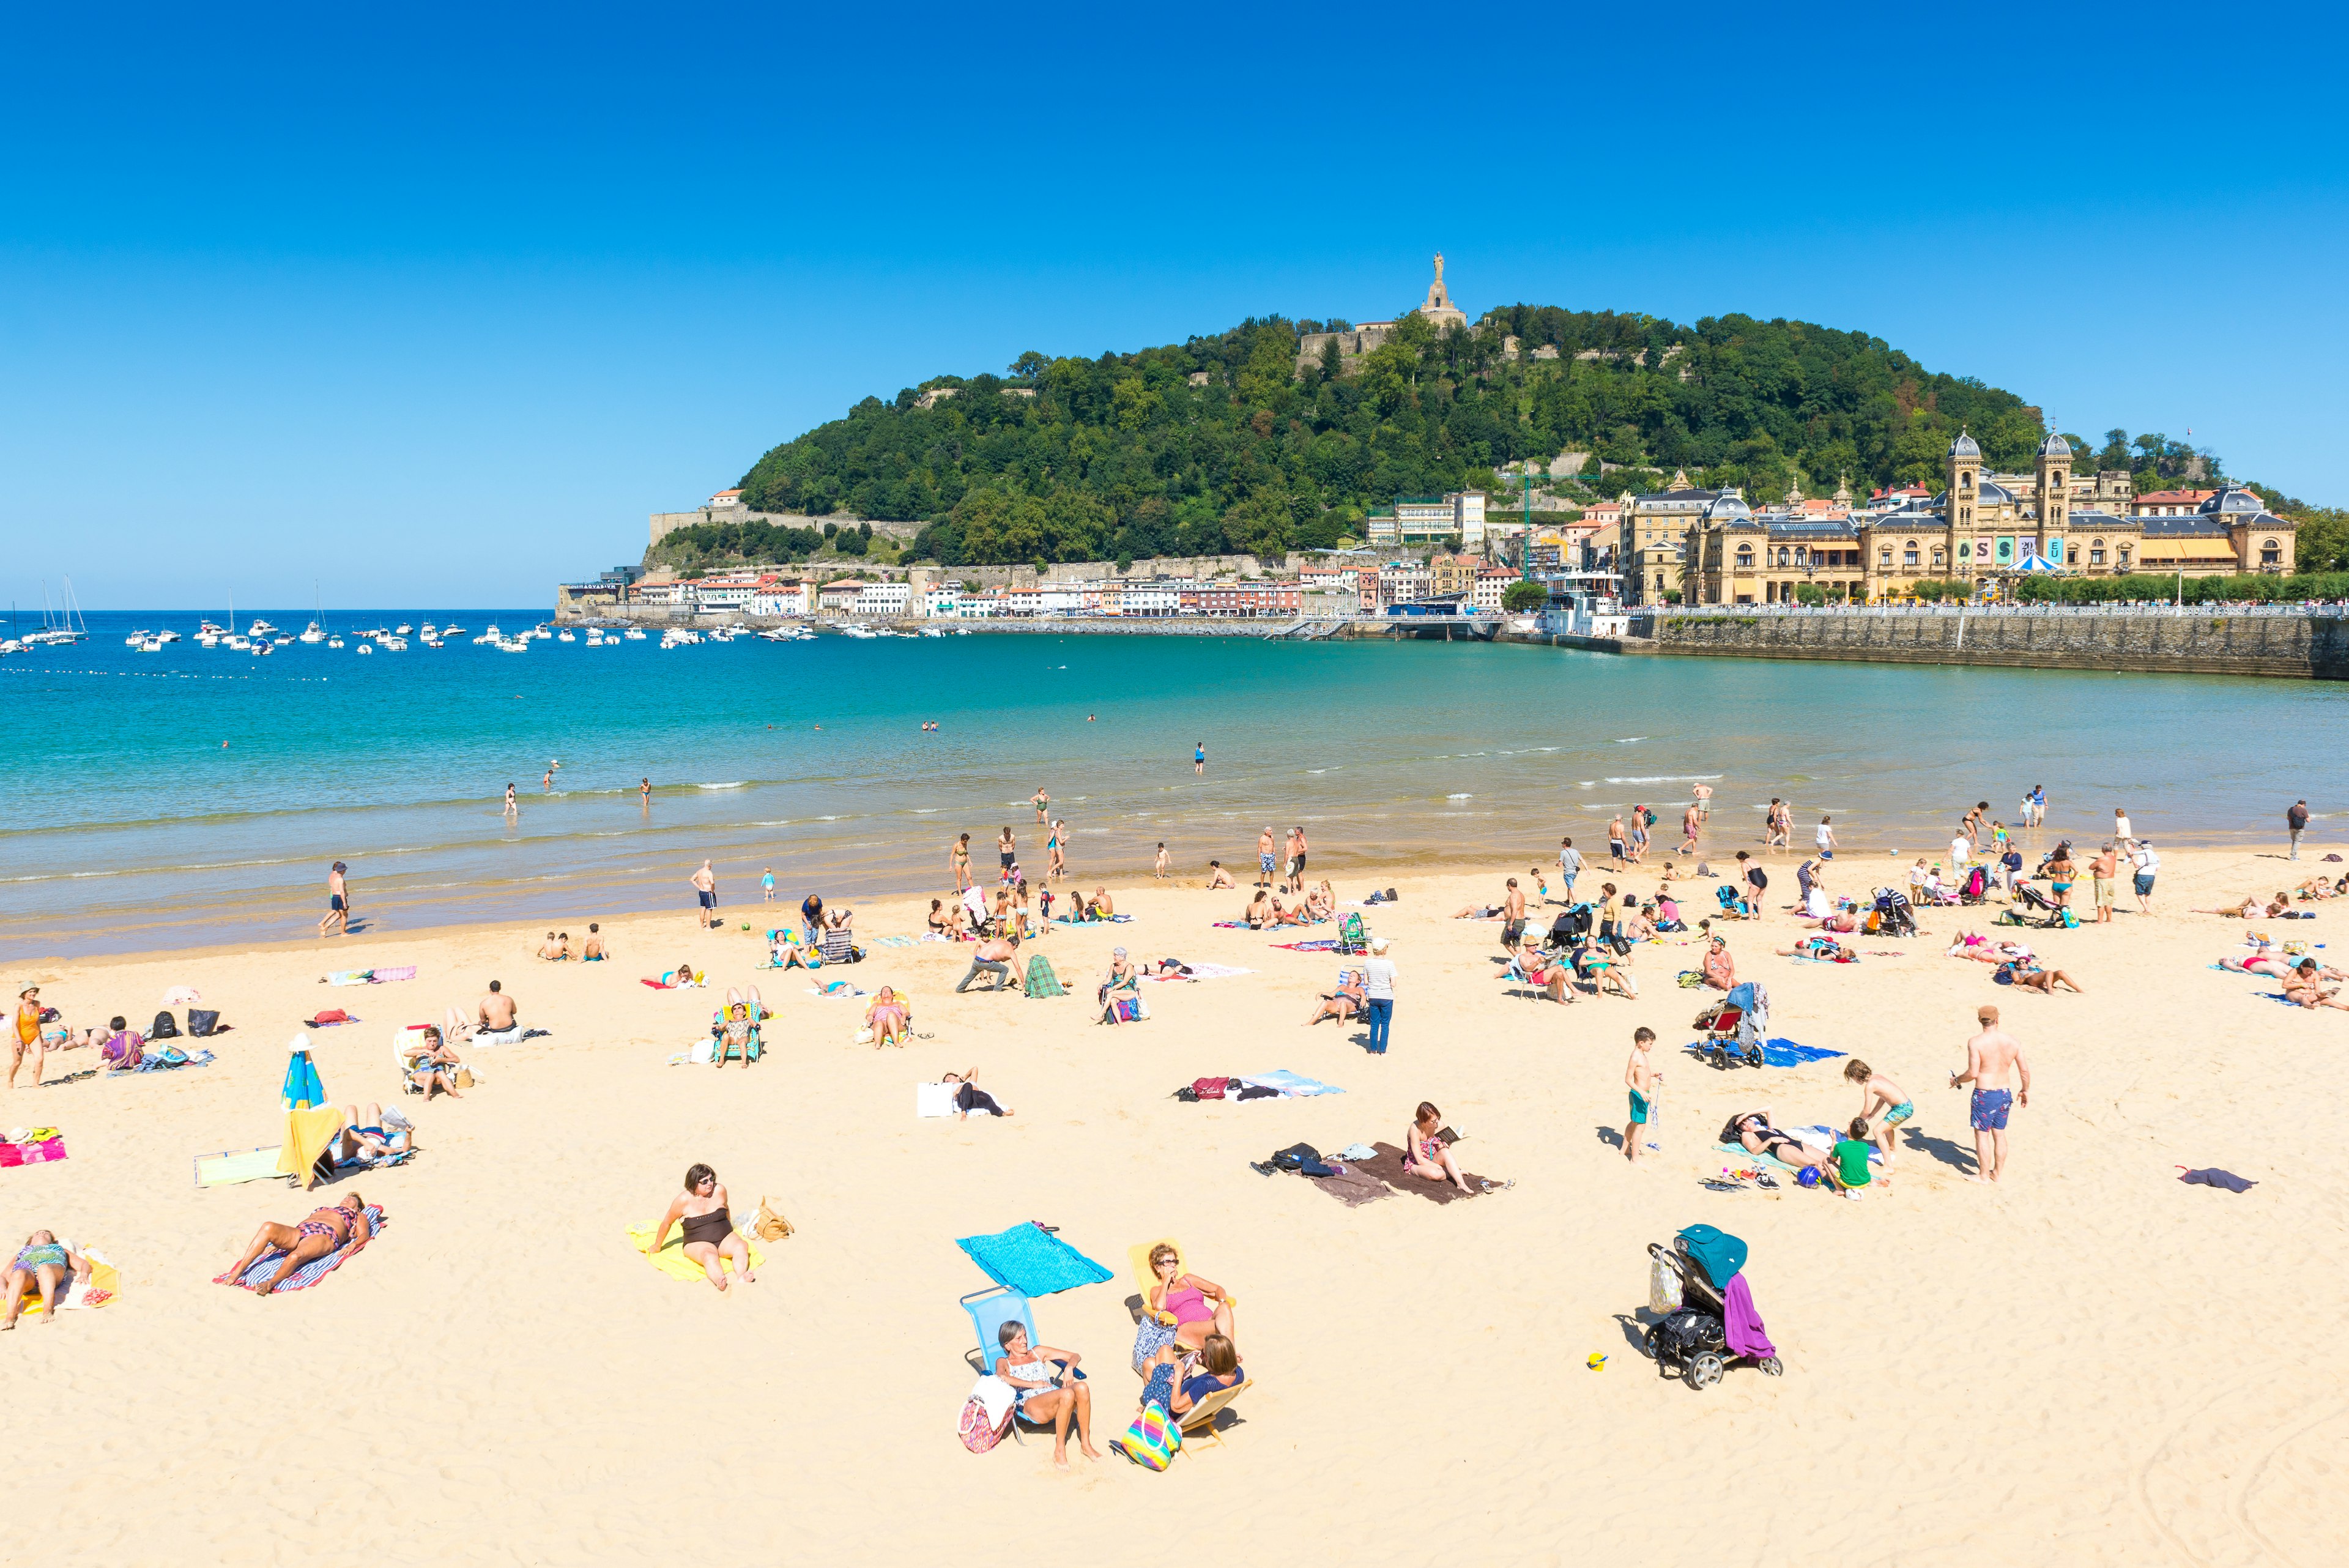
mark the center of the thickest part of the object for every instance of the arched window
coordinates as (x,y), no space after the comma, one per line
(2095,552)
(1745,555)
(2269,554)
(1908,552)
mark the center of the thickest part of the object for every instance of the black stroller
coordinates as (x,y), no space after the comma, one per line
(1691,1340)
(1975,890)
(1894,917)
(1570,929)
(2043,912)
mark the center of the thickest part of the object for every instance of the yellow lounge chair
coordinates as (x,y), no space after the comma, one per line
(1201,1417)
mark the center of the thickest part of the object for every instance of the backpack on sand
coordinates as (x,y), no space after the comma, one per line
(165,1028)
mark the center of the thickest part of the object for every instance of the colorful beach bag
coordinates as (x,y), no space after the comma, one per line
(978,1434)
(1152,1440)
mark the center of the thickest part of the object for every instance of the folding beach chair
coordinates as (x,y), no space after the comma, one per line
(989,1310)
(1352,937)
(1201,1417)
(836,948)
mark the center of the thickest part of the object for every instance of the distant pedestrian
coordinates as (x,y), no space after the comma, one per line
(2147,864)
(1690,820)
(2121,825)
(767,885)
(1199,759)
(513,809)
(705,888)
(1826,838)
(1264,857)
(1569,866)
(644,792)
(1007,851)
(339,904)
(2105,867)
(1040,800)
(1159,868)
(1615,841)
(1378,994)
(1703,807)
(546,784)
(2296,819)
(958,861)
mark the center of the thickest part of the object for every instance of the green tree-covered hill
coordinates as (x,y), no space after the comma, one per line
(1220,444)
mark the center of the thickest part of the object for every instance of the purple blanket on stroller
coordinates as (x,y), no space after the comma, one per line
(1741,1324)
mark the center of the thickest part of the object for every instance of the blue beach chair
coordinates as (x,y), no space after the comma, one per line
(989,1310)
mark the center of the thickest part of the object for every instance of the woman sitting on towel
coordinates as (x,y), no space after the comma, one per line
(1426,1155)
(1261,913)
(710,1232)
(43,1265)
(1177,1382)
(1180,1299)
(1343,1004)
(889,1018)
(1753,1132)
(432,1064)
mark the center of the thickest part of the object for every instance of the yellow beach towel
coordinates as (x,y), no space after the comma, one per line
(671,1258)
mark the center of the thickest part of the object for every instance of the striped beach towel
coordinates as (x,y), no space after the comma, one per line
(309,1273)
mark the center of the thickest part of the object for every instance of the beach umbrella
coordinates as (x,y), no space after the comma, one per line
(2036,563)
(302,1089)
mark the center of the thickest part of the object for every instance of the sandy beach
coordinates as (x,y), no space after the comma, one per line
(2088,1362)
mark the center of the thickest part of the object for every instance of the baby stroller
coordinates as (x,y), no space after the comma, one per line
(1735,1026)
(1975,889)
(1691,1340)
(1893,916)
(2044,913)
(1733,907)
(1571,929)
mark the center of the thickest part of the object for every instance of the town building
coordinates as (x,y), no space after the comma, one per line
(1425,519)
(1364,337)
(2169,502)
(887,598)
(781,596)
(1491,583)
(1654,536)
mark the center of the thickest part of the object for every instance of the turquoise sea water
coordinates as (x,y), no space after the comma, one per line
(130,826)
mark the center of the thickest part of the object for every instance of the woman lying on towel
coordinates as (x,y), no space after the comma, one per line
(888,1019)
(708,1230)
(1343,1004)
(1181,1301)
(43,1265)
(380,1139)
(1426,1155)
(1753,1132)
(325,1231)
(969,1097)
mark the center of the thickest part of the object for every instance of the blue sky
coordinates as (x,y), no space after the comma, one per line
(433,307)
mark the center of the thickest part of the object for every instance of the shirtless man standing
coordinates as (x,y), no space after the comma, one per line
(1513,917)
(1703,805)
(705,888)
(1691,821)
(339,904)
(1993,1064)
(1264,857)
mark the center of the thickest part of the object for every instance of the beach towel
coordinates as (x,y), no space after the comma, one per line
(1316,945)
(895,941)
(328,1018)
(1041,981)
(165,1060)
(671,1258)
(302,1089)
(181,996)
(230,1166)
(1783,1053)
(1231,925)
(1294,1084)
(1097,920)
(309,1273)
(1388,1168)
(834,988)
(370,976)
(1740,1152)
(2214,1177)
(1201,971)
(1741,1324)
(1350,1186)
(33,1151)
(1031,1261)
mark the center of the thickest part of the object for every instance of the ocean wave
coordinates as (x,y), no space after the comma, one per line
(735,783)
(1664,778)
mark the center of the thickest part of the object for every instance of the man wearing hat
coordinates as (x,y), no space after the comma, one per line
(27,1036)
(1378,994)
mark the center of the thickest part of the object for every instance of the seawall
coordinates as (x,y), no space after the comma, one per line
(2190,641)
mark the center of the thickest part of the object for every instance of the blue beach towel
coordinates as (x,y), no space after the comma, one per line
(164,1060)
(309,1273)
(1782,1053)
(1032,1261)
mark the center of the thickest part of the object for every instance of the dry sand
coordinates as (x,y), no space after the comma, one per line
(2090,1363)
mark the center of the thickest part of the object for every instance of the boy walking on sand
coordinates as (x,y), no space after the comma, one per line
(1876,1089)
(1640,1077)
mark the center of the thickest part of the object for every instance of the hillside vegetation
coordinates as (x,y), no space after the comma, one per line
(1120,456)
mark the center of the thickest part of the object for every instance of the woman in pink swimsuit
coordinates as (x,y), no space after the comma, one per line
(1184,1297)
(1428,1156)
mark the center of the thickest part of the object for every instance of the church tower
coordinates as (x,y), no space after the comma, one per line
(2055,485)
(1965,483)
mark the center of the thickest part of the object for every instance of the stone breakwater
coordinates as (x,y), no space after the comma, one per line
(2190,641)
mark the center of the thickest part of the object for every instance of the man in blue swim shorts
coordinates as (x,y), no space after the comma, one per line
(2002,1080)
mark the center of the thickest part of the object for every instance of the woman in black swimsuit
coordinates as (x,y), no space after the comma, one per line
(1753,1132)
(710,1234)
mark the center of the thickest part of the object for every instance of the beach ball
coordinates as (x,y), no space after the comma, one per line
(1597,1362)
(1808,1176)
